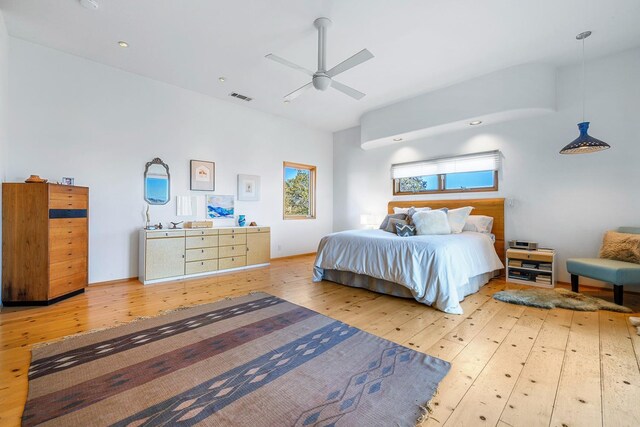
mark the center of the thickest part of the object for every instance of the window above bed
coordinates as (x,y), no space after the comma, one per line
(459,174)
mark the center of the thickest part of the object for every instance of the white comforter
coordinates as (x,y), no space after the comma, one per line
(434,268)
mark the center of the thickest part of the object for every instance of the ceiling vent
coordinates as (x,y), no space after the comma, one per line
(239,96)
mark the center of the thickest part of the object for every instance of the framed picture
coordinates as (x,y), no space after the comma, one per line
(248,187)
(67,180)
(203,175)
(219,206)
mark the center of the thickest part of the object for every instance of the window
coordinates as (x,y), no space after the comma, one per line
(473,172)
(299,191)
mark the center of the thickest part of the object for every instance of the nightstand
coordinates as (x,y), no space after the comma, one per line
(535,268)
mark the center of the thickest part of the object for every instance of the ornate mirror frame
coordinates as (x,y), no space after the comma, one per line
(157,161)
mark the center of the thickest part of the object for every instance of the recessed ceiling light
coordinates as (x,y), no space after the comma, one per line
(90,4)
(221,79)
(397,139)
(123,43)
(286,101)
(475,122)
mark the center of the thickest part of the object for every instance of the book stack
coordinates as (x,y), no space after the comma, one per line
(520,275)
(529,265)
(515,263)
(545,266)
(543,279)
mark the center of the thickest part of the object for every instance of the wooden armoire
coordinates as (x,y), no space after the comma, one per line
(44,242)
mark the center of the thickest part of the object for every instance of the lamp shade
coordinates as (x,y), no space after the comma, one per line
(584,143)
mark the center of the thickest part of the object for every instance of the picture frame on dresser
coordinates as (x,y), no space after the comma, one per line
(203,175)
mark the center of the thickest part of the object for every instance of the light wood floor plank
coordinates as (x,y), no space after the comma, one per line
(620,375)
(531,402)
(578,399)
(486,398)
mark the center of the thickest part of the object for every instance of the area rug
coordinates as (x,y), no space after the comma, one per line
(256,360)
(557,298)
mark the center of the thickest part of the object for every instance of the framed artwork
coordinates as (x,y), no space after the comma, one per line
(248,187)
(219,206)
(67,180)
(203,175)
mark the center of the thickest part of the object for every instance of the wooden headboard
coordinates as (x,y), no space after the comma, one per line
(489,207)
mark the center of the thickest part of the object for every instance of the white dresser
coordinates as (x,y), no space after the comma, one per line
(176,254)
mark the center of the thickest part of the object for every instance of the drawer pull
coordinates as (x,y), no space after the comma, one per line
(166,234)
(233,259)
(70,266)
(70,254)
(202,263)
(69,232)
(202,238)
(233,237)
(202,250)
(233,248)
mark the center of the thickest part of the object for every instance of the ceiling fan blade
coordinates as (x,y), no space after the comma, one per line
(347,90)
(289,64)
(358,58)
(296,93)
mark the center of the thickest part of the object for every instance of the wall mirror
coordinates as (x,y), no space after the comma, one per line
(156,182)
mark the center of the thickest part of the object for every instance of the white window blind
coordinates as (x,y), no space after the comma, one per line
(487,161)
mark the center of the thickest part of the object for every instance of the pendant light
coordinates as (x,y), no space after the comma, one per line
(584,143)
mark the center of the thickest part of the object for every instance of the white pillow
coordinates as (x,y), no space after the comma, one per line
(457,218)
(431,222)
(479,224)
(397,210)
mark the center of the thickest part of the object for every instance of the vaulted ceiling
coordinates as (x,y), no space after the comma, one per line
(419,45)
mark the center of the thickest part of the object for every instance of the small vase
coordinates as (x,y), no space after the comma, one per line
(241,220)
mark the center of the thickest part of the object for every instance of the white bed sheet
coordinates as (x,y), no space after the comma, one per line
(433,268)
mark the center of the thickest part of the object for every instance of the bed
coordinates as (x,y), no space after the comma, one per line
(437,270)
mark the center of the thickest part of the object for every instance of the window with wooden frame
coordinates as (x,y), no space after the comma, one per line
(459,174)
(299,188)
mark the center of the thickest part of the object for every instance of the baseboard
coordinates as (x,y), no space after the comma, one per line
(293,256)
(113,282)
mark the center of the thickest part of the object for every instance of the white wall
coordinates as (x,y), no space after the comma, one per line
(4,47)
(564,202)
(74,117)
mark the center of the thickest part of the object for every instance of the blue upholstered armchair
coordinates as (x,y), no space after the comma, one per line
(618,273)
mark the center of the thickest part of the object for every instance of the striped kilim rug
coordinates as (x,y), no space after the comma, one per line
(257,360)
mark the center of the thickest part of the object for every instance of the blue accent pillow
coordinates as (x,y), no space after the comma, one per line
(405,230)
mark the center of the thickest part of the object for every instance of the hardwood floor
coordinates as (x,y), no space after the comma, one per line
(511,365)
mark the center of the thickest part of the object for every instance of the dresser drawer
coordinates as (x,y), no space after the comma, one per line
(56,190)
(258,230)
(65,285)
(68,253)
(67,268)
(233,239)
(233,262)
(205,232)
(529,255)
(202,254)
(57,244)
(67,222)
(233,251)
(236,230)
(162,234)
(68,232)
(202,242)
(201,266)
(68,201)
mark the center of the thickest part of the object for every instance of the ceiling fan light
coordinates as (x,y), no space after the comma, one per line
(584,143)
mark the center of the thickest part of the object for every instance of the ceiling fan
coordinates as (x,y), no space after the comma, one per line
(323,78)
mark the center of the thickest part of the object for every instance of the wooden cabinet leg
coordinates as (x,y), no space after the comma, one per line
(575,283)
(617,294)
